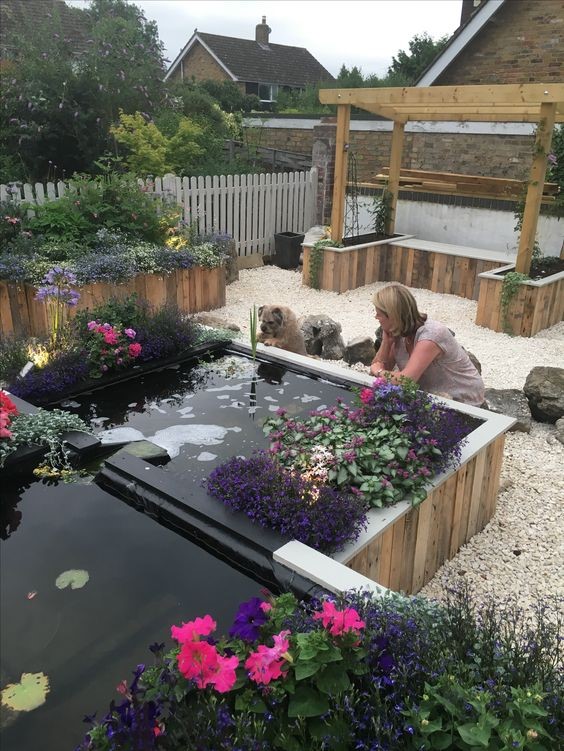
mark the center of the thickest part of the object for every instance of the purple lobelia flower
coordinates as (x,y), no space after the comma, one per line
(250,617)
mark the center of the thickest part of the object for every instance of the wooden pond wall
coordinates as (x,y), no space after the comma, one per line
(413,263)
(407,553)
(192,290)
(536,306)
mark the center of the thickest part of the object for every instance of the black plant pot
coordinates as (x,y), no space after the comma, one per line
(287,249)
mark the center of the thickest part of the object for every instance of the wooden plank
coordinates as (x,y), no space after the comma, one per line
(397,554)
(436,499)
(421,543)
(439,267)
(394,173)
(6,321)
(385,557)
(456,538)
(476,496)
(409,542)
(446,520)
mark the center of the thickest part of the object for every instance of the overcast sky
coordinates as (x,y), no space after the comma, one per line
(366,33)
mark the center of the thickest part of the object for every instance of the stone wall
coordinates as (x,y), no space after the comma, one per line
(522,43)
(488,154)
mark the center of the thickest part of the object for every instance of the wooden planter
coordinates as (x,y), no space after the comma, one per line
(537,304)
(416,263)
(192,290)
(403,547)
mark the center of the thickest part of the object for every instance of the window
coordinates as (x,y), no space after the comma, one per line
(268,92)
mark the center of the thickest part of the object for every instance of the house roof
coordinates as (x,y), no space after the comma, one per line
(459,40)
(16,16)
(247,60)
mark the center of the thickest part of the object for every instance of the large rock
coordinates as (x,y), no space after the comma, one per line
(360,349)
(215,322)
(560,430)
(511,402)
(322,337)
(147,451)
(544,388)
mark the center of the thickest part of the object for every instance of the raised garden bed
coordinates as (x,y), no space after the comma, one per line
(403,546)
(416,263)
(538,304)
(191,290)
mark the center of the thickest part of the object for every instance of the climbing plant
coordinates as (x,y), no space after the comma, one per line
(511,283)
(316,259)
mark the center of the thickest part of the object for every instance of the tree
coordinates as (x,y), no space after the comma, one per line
(57,105)
(422,50)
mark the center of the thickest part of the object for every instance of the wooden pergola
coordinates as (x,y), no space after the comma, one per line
(527,103)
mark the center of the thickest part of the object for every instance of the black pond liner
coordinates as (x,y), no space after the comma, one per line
(228,535)
(192,513)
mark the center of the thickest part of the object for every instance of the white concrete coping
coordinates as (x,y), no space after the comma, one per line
(495,274)
(480,254)
(324,570)
(386,241)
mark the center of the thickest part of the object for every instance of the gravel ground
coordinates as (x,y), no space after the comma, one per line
(521,551)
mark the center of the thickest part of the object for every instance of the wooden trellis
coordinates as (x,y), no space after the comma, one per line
(526,103)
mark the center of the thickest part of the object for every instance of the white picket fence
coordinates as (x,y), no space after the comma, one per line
(250,208)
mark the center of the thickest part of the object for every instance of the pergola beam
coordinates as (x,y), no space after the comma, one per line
(340,178)
(535,189)
(394,174)
(533,94)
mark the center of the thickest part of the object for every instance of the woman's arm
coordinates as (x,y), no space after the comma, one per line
(422,356)
(385,358)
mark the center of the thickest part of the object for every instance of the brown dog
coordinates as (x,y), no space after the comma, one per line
(279,328)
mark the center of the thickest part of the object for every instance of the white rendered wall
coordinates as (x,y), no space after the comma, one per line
(462,225)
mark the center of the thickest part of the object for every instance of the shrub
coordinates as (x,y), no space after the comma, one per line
(281,500)
(353,672)
(388,446)
(13,356)
(62,372)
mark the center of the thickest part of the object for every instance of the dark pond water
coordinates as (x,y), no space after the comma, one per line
(143,577)
(202,413)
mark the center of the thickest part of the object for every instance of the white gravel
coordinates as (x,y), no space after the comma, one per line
(521,551)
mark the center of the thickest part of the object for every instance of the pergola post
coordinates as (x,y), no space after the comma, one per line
(535,188)
(340,176)
(394,176)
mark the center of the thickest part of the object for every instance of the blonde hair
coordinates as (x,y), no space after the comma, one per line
(397,302)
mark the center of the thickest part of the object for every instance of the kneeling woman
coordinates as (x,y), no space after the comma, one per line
(422,349)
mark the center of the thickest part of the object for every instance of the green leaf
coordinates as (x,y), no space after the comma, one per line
(475,734)
(30,693)
(402,451)
(75,577)
(342,476)
(307,702)
(333,679)
(306,669)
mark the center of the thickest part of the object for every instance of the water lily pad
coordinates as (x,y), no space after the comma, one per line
(28,694)
(75,577)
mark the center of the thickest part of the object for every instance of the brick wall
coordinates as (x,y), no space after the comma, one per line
(198,63)
(472,154)
(522,43)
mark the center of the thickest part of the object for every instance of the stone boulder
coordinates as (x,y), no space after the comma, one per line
(232,263)
(147,451)
(215,322)
(360,349)
(544,389)
(322,337)
(511,402)
(560,430)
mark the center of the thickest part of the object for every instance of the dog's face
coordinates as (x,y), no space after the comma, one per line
(271,319)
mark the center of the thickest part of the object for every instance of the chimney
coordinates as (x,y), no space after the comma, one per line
(468,7)
(262,31)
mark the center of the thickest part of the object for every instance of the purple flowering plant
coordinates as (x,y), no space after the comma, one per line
(294,505)
(356,671)
(58,293)
(387,446)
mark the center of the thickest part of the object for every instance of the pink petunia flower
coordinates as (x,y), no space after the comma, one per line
(265,664)
(91,325)
(192,629)
(224,675)
(266,607)
(339,622)
(366,396)
(134,349)
(196,661)
(130,333)
(110,337)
